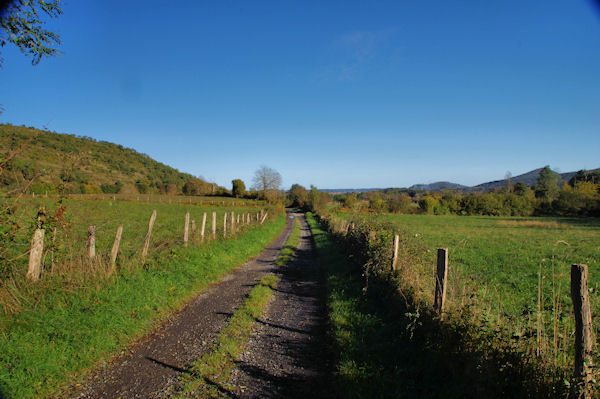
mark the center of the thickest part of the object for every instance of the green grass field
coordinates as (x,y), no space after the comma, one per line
(107,216)
(76,314)
(502,256)
(507,269)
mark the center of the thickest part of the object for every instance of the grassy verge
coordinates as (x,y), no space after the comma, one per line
(68,331)
(210,374)
(287,253)
(389,344)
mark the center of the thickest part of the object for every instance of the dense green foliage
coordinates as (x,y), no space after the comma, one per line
(62,328)
(40,162)
(238,188)
(312,200)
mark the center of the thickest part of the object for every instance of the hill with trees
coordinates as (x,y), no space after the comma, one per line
(39,161)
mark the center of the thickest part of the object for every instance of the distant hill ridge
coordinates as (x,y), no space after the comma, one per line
(529,178)
(83,164)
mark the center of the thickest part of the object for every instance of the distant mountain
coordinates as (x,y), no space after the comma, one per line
(349,190)
(82,164)
(440,185)
(529,178)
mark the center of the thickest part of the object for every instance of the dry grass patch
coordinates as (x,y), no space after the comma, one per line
(544,224)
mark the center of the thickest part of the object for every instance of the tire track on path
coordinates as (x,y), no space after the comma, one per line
(289,355)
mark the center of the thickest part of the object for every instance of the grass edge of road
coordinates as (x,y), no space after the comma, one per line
(209,375)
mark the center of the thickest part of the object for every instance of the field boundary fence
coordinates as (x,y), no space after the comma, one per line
(385,253)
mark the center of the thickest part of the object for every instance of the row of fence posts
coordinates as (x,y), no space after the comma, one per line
(34,270)
(584,338)
(160,199)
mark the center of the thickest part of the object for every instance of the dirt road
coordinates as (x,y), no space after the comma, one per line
(289,354)
(151,365)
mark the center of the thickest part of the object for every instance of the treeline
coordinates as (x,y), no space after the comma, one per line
(309,200)
(38,161)
(580,196)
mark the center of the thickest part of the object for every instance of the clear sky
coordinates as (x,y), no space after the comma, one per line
(336,94)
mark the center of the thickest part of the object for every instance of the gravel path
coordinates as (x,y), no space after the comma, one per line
(289,355)
(151,365)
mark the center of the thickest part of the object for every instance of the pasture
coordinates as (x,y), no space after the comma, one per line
(513,274)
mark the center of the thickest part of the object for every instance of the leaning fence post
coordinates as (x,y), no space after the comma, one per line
(186,227)
(91,245)
(441,280)
(52,250)
(35,255)
(203,225)
(395,255)
(148,234)
(583,324)
(115,248)
(264,217)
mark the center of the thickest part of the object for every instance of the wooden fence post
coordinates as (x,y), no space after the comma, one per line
(248,218)
(52,250)
(584,339)
(185,229)
(441,280)
(225,224)
(264,217)
(91,245)
(203,225)
(395,255)
(115,248)
(35,255)
(148,234)
(214,225)
(232,223)
(238,219)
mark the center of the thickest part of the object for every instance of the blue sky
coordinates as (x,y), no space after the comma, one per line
(336,94)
